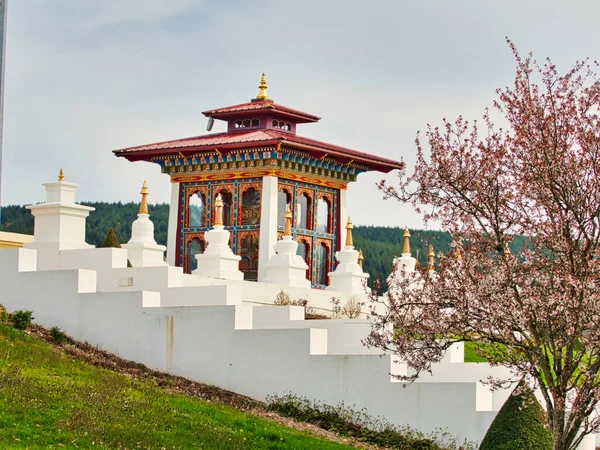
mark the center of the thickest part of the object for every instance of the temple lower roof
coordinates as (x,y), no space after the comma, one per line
(247,139)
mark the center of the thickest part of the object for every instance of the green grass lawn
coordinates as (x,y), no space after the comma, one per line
(471,355)
(50,401)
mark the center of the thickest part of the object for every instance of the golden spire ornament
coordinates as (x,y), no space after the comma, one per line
(287,230)
(431,259)
(262,88)
(361,258)
(144,202)
(458,254)
(406,246)
(61,175)
(218,211)
(349,226)
(506,250)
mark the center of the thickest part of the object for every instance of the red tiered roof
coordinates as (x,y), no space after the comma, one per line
(265,134)
(262,106)
(242,139)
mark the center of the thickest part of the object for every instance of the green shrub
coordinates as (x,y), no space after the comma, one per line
(21,320)
(3,315)
(357,424)
(58,336)
(521,424)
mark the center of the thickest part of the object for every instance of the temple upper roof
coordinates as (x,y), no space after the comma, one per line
(259,123)
(265,106)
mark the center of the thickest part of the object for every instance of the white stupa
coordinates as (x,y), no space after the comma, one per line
(142,249)
(218,261)
(286,267)
(348,276)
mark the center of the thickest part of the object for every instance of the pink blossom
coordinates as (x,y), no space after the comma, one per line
(538,311)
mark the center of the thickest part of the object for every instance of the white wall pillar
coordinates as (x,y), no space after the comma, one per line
(59,224)
(342,218)
(268,224)
(173,224)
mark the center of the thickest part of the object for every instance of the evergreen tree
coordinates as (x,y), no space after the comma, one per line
(111,240)
(519,425)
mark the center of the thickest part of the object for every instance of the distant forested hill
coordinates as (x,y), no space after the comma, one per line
(379,244)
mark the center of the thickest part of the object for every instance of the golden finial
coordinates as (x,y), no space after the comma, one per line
(458,254)
(361,258)
(287,230)
(431,259)
(61,175)
(262,88)
(218,211)
(406,246)
(349,242)
(144,202)
(506,250)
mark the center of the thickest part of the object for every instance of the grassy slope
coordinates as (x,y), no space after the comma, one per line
(470,353)
(48,400)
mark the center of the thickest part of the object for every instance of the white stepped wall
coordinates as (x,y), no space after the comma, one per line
(209,335)
(343,336)
(53,296)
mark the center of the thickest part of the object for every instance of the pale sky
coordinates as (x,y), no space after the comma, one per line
(85,77)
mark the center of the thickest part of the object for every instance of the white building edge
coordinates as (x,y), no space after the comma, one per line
(225,331)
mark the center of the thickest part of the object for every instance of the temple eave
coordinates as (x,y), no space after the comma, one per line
(377,164)
(188,151)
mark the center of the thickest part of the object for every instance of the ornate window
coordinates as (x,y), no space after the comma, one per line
(303,216)
(323,217)
(227,198)
(240,197)
(303,248)
(322,263)
(284,198)
(195,247)
(313,226)
(304,251)
(249,254)
(246,123)
(197,210)
(281,125)
(251,207)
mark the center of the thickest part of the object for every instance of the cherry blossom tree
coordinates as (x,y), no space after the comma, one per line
(536,311)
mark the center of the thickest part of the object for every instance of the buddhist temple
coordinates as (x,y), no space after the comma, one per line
(259,167)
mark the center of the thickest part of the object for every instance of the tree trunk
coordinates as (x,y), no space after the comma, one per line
(558,428)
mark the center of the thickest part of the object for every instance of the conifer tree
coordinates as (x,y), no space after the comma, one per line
(111,240)
(519,425)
